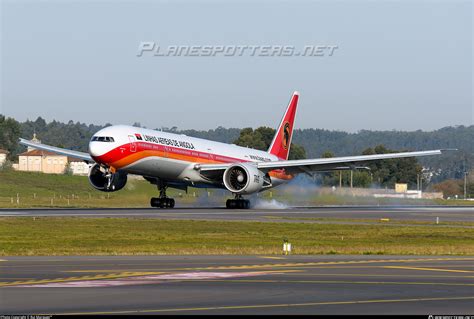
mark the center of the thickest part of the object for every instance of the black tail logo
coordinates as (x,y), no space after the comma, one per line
(286,135)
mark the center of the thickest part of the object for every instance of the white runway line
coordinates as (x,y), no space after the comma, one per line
(12,213)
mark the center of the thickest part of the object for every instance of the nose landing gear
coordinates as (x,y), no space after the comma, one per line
(239,202)
(163,201)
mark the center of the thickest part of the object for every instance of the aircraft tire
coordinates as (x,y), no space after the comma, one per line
(154,202)
(230,203)
(237,204)
(162,202)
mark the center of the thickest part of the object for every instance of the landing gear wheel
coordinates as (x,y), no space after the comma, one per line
(169,202)
(244,204)
(238,203)
(163,201)
(154,202)
(247,204)
(230,203)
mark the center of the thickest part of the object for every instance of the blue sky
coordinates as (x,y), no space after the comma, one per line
(401,65)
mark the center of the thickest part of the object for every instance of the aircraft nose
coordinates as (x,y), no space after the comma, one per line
(95,149)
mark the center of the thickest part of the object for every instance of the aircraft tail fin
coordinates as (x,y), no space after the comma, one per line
(281,143)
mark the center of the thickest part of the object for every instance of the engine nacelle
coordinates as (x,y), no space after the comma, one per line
(105,181)
(243,179)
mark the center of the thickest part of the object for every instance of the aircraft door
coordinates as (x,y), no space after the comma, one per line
(133,143)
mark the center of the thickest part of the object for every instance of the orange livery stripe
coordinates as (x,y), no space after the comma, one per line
(122,156)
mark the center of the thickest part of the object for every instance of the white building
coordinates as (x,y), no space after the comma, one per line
(42,161)
(35,160)
(3,156)
(78,167)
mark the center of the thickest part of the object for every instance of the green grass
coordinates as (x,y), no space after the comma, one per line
(122,236)
(380,220)
(50,190)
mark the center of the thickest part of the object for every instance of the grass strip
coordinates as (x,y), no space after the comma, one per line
(134,236)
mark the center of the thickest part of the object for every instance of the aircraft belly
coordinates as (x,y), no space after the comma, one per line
(158,167)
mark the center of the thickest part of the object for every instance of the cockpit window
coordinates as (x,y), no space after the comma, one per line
(102,139)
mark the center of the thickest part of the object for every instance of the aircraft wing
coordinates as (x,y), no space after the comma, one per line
(76,154)
(323,164)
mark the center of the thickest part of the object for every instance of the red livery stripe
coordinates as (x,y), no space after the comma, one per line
(122,156)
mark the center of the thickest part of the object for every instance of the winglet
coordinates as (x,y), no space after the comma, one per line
(281,143)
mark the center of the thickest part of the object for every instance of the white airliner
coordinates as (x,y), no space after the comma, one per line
(179,161)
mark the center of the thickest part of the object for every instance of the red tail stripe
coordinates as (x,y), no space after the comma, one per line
(282,140)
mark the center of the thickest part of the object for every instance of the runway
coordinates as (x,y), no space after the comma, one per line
(238,285)
(291,214)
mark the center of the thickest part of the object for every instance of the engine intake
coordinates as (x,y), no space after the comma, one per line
(105,181)
(243,179)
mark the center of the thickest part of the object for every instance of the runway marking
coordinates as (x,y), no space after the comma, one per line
(336,282)
(180,269)
(107,270)
(68,279)
(307,304)
(427,269)
(7,214)
(271,257)
(131,278)
(450,266)
(303,264)
(257,266)
(294,265)
(379,275)
(142,280)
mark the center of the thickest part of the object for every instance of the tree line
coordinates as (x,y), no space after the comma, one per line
(307,143)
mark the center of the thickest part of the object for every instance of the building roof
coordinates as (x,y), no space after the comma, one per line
(2,151)
(39,153)
(73,159)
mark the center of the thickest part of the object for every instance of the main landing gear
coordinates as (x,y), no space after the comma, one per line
(238,203)
(163,201)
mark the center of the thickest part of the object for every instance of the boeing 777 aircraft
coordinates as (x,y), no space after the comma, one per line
(179,161)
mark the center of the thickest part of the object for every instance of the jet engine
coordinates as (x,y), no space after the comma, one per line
(102,179)
(243,179)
